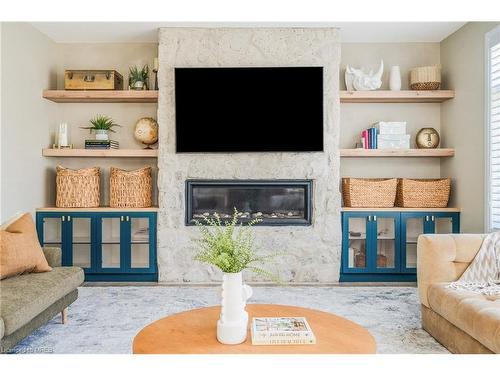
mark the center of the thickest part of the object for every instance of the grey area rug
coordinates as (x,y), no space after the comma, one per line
(106,319)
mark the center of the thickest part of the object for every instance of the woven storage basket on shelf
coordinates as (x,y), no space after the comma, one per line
(369,192)
(423,193)
(425,78)
(130,188)
(77,188)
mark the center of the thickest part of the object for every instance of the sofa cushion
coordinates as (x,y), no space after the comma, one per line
(444,258)
(23,297)
(476,314)
(20,250)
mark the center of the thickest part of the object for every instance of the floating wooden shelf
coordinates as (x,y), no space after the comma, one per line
(83,153)
(387,96)
(97,209)
(410,153)
(101,96)
(371,209)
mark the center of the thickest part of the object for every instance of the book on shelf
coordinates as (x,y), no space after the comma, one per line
(369,138)
(392,135)
(281,331)
(373,134)
(391,127)
(97,144)
(101,147)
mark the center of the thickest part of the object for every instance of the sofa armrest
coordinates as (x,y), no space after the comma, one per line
(444,258)
(53,256)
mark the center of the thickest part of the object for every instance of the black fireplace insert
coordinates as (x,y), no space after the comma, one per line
(274,202)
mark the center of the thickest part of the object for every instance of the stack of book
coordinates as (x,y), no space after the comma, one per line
(282,331)
(369,138)
(392,135)
(101,145)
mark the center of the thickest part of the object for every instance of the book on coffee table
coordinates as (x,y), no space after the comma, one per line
(281,331)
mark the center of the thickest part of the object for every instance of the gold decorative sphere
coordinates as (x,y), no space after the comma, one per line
(427,138)
(146,131)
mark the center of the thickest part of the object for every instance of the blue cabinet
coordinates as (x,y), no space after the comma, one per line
(109,246)
(382,245)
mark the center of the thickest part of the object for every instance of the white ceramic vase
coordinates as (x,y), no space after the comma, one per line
(138,85)
(102,135)
(395,78)
(233,322)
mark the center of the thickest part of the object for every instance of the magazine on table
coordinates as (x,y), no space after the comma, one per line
(281,331)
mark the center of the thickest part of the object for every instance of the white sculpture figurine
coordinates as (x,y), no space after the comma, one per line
(233,322)
(357,79)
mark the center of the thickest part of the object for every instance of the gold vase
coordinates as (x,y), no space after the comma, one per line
(427,138)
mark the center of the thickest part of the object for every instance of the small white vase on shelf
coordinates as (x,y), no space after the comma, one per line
(233,322)
(395,78)
(101,135)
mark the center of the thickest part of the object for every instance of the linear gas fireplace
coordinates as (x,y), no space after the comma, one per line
(275,202)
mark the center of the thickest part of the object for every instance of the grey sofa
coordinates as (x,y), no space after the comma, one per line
(29,301)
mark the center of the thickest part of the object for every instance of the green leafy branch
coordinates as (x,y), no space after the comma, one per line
(229,245)
(138,75)
(101,122)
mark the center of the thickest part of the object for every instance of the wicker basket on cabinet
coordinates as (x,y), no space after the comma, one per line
(130,189)
(369,192)
(78,188)
(423,193)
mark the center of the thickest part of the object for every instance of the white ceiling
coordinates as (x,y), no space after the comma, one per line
(351,32)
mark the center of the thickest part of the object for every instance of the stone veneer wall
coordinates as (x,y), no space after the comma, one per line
(314,250)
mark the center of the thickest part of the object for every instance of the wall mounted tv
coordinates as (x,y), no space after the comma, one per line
(249,109)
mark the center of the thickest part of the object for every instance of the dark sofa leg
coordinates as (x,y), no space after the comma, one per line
(64,316)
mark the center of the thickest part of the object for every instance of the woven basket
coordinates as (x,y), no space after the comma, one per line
(425,78)
(369,192)
(77,188)
(130,189)
(423,193)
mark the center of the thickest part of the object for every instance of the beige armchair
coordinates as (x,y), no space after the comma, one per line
(462,321)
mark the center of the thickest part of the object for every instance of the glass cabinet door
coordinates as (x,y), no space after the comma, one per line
(387,249)
(357,251)
(445,223)
(413,224)
(81,248)
(110,254)
(52,231)
(139,242)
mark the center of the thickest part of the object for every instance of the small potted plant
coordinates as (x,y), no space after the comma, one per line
(230,247)
(138,78)
(101,125)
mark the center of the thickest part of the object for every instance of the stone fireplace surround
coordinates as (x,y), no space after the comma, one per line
(314,251)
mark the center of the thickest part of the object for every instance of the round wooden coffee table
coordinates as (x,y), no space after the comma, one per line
(194,332)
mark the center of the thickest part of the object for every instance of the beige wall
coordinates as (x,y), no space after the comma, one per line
(117,56)
(356,117)
(29,65)
(462,58)
(1,176)
(24,132)
(30,122)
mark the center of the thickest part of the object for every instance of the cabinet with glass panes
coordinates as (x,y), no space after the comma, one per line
(382,245)
(109,245)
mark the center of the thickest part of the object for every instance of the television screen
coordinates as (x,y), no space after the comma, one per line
(249,109)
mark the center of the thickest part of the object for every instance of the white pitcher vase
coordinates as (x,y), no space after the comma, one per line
(233,322)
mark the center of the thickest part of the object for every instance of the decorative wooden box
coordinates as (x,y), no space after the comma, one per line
(93,80)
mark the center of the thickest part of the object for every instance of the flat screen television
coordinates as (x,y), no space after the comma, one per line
(249,109)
